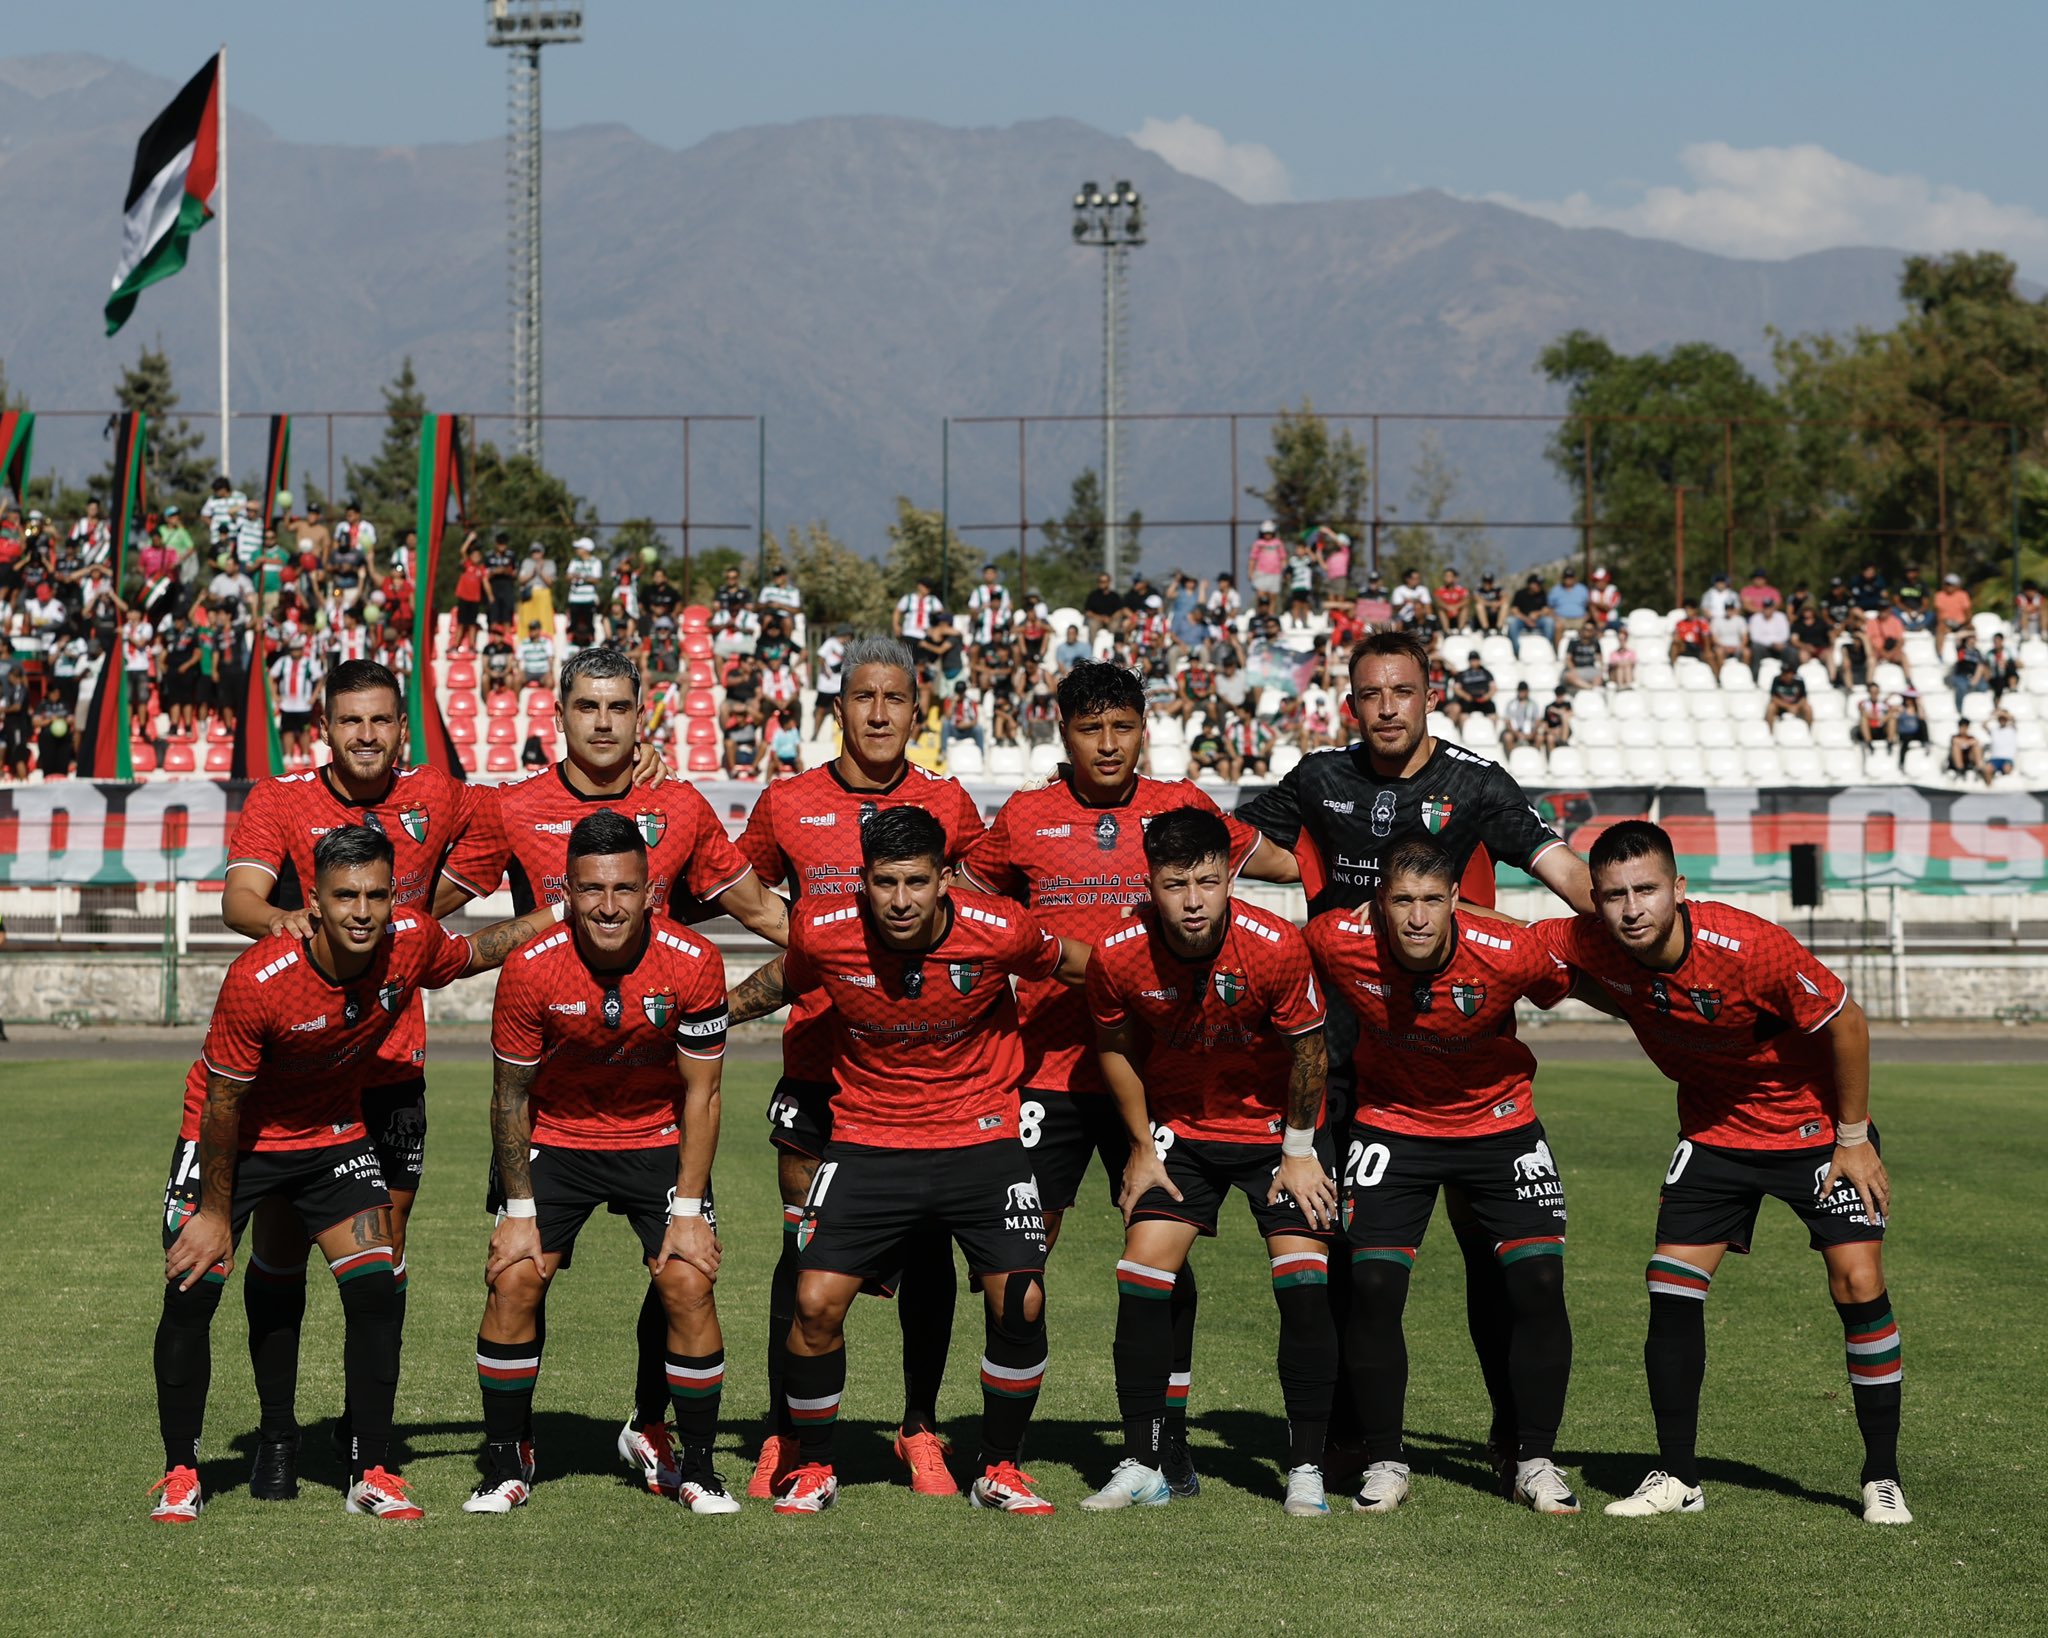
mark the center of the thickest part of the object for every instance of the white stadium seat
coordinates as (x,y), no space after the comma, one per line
(1977,708)
(1719,734)
(1525,762)
(1007,762)
(1165,730)
(1684,767)
(1481,733)
(1639,735)
(1752,734)
(1285,757)
(1045,761)
(1803,767)
(1793,734)
(1842,765)
(1605,763)
(1735,677)
(1589,705)
(1566,762)
(1832,734)
(1169,761)
(1763,768)
(1667,705)
(1705,705)
(1495,652)
(1725,765)
(1595,731)
(1676,733)
(1647,626)
(1630,706)
(963,757)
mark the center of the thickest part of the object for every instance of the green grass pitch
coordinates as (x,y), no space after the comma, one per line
(1777,1550)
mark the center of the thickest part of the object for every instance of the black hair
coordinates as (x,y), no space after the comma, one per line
(1628,841)
(1098,685)
(359,677)
(595,663)
(1417,855)
(901,832)
(605,832)
(1182,838)
(348,846)
(1391,645)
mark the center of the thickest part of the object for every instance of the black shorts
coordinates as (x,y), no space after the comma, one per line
(325,1186)
(1206,1172)
(294,722)
(1391,1180)
(504,599)
(1484,708)
(866,1204)
(1712,1196)
(1060,1131)
(397,1118)
(800,1117)
(636,1184)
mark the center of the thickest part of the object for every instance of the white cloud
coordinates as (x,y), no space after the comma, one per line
(1777,202)
(1250,170)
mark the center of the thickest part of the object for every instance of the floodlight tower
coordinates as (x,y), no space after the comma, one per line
(522,27)
(1113,222)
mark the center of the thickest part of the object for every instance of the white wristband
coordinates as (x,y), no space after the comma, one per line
(686,1205)
(1849,1133)
(1299,1142)
(519,1208)
(561,909)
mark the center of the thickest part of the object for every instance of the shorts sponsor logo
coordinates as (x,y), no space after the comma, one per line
(1023,1196)
(651,827)
(311,1024)
(963,975)
(1106,832)
(1021,1211)
(1536,1163)
(660,1008)
(822,820)
(1229,988)
(1436,814)
(415,822)
(569,1009)
(1705,1002)
(1383,814)
(1468,998)
(1054,833)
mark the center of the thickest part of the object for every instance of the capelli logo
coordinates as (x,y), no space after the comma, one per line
(821,819)
(1054,832)
(559,828)
(1335,806)
(569,1009)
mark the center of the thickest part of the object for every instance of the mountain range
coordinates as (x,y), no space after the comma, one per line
(854,280)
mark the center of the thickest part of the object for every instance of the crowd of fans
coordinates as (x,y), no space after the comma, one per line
(741,684)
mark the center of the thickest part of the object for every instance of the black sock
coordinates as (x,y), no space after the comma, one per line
(695,1383)
(184,1367)
(924,1308)
(1375,1350)
(369,1353)
(1144,1357)
(1489,1317)
(274,1299)
(1308,1353)
(1181,1375)
(1539,1347)
(1675,1361)
(650,1374)
(814,1385)
(1876,1380)
(1013,1364)
(781,1316)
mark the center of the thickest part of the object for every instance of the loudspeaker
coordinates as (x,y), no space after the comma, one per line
(1806,875)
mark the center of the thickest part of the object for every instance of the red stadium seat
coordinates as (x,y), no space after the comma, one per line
(461,705)
(502,759)
(700,674)
(466,754)
(542,729)
(699,703)
(704,759)
(178,759)
(220,733)
(696,617)
(537,702)
(143,755)
(501,704)
(461,674)
(462,730)
(702,731)
(696,645)
(502,731)
(220,757)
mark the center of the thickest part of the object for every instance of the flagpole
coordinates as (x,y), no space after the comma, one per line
(220,86)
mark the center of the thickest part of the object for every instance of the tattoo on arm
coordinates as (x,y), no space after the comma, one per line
(220,1130)
(512,1126)
(1307,1079)
(760,993)
(491,946)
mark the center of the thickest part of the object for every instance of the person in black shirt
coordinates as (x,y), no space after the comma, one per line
(1812,639)
(1471,691)
(1488,607)
(498,664)
(1103,607)
(501,564)
(1530,611)
(1584,665)
(1788,699)
(658,599)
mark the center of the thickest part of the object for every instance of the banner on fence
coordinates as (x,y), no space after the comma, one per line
(83,832)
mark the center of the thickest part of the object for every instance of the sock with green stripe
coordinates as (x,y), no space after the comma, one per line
(1012,1368)
(781,1316)
(1143,1353)
(1182,1306)
(1375,1350)
(1876,1380)
(1308,1352)
(184,1366)
(695,1382)
(369,1352)
(274,1299)
(813,1385)
(1675,1361)
(1539,1343)
(506,1374)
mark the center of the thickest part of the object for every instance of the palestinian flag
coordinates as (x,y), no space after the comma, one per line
(103,746)
(276,465)
(440,482)
(17,438)
(172,192)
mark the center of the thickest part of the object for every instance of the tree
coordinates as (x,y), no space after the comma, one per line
(839,586)
(1063,570)
(172,462)
(1436,537)
(1314,479)
(922,548)
(388,485)
(511,492)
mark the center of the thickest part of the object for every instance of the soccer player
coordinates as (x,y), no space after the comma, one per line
(925,1124)
(608,1035)
(1349,802)
(805,834)
(1772,1061)
(523,827)
(1210,1036)
(1447,1098)
(273,1108)
(1073,854)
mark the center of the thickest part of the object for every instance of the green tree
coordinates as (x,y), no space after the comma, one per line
(173,463)
(1437,534)
(1313,478)
(922,547)
(839,586)
(511,492)
(388,484)
(1063,570)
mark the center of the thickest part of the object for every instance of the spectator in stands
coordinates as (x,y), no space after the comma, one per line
(943,652)
(586,578)
(536,589)
(780,594)
(1788,698)
(1103,608)
(1718,599)
(1267,563)
(1554,728)
(1195,692)
(1869,591)
(15,723)
(2003,671)
(1730,631)
(1209,749)
(472,592)
(1604,600)
(1952,605)
(963,720)
(1968,673)
(2030,612)
(1692,638)
(1621,664)
(1034,634)
(742,740)
(1471,691)
(1906,725)
(988,607)
(916,613)
(1966,754)
(501,570)
(1374,608)
(1873,720)
(1585,666)
(1760,594)
(1453,602)
(497,673)
(1413,608)
(1530,611)
(1074,651)
(56,747)
(1249,739)
(1910,605)
(1884,640)
(295,680)
(1569,600)
(1770,637)
(1301,578)
(1489,606)
(1812,639)
(2002,750)
(1521,720)
(785,746)
(1333,551)
(829,679)
(537,657)
(1041,714)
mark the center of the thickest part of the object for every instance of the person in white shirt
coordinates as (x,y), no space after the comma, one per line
(248,536)
(586,579)
(1770,636)
(916,612)
(296,680)
(138,652)
(224,505)
(93,536)
(831,674)
(362,535)
(781,593)
(1730,631)
(1717,600)
(537,657)
(2002,747)
(988,608)
(1412,602)
(1603,599)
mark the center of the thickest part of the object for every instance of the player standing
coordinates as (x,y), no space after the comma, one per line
(805,833)
(1772,1061)
(1447,1098)
(1350,802)
(924,1132)
(1073,854)
(273,1108)
(608,1036)
(1210,1035)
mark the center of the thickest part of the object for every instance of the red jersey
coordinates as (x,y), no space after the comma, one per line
(1736,1023)
(1437,1054)
(806,832)
(925,1047)
(302,1039)
(1080,870)
(423,812)
(523,828)
(607,1042)
(1215,1058)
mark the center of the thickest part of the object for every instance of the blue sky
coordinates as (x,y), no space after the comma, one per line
(1762,129)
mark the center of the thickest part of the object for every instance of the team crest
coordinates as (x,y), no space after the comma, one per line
(1348,1206)
(1425,997)
(1706,1003)
(1660,995)
(1468,998)
(659,1008)
(805,1229)
(415,822)
(1107,830)
(1436,814)
(650,826)
(391,997)
(1229,988)
(913,979)
(614,1009)
(963,975)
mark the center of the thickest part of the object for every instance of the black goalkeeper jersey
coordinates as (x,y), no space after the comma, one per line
(1351,813)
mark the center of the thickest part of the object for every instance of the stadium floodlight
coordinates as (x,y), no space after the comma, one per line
(1113,223)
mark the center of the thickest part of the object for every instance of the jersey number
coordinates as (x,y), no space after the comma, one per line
(1162,1140)
(1366,1164)
(819,1184)
(1030,1123)
(1679,1157)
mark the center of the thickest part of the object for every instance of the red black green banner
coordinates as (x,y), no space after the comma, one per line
(17,440)
(259,747)
(440,485)
(103,746)
(277,464)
